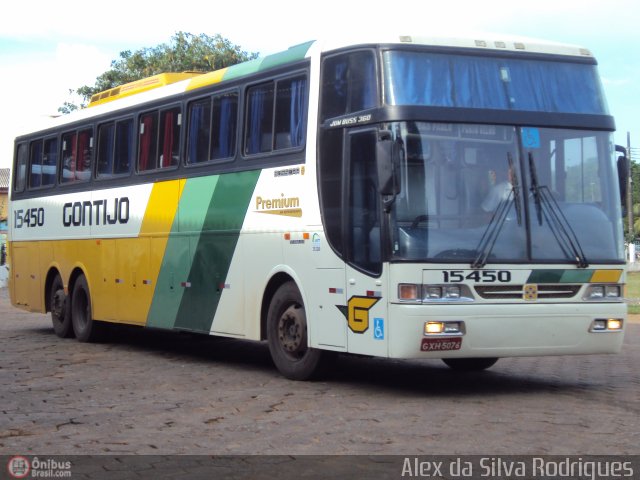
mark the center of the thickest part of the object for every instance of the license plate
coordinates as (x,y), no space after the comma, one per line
(441,344)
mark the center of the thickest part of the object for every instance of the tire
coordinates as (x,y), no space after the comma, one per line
(84,327)
(60,311)
(287,335)
(469,364)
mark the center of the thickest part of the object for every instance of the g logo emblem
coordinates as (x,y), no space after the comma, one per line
(358,313)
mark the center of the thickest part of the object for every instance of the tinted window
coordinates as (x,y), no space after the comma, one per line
(225,119)
(159,134)
(77,150)
(20,172)
(199,131)
(170,122)
(277,120)
(43,161)
(348,84)
(148,142)
(259,119)
(291,99)
(115,148)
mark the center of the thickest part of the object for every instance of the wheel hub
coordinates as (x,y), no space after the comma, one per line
(57,303)
(291,330)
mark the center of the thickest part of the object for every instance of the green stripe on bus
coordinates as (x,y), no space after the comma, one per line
(293,54)
(214,249)
(176,263)
(560,276)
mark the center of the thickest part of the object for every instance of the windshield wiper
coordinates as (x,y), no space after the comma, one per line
(547,206)
(516,188)
(492,232)
(535,188)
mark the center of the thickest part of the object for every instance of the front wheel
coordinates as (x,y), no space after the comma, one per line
(85,327)
(287,335)
(60,311)
(469,364)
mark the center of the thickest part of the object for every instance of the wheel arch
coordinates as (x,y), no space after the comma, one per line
(51,274)
(75,274)
(275,282)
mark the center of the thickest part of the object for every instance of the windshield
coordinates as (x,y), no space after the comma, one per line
(457,201)
(466,81)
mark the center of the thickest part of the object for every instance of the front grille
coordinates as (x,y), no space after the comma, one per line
(513,292)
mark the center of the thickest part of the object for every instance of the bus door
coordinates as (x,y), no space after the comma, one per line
(366,301)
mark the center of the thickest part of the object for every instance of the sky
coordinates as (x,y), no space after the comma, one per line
(48,48)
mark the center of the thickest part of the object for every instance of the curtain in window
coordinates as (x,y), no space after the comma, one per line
(257,99)
(198,141)
(226,128)
(362,85)
(423,80)
(298,108)
(554,87)
(145,142)
(474,83)
(494,83)
(167,147)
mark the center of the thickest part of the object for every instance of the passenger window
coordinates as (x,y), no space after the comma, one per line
(259,136)
(348,84)
(77,151)
(43,159)
(199,131)
(170,121)
(225,120)
(115,149)
(289,109)
(21,168)
(124,147)
(212,128)
(291,100)
(159,134)
(148,142)
(106,134)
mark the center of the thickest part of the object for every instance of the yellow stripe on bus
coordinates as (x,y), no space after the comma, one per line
(154,234)
(606,276)
(206,79)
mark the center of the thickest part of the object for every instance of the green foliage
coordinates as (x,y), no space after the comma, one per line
(632,289)
(185,52)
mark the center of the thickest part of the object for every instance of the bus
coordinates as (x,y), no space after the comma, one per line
(403,197)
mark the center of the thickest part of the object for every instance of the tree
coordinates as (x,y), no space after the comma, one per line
(185,52)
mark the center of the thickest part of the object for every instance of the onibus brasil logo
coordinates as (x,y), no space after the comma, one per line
(20,467)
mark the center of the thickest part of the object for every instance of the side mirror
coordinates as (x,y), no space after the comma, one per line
(623,174)
(387,152)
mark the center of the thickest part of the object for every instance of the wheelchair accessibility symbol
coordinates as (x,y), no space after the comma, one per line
(378,328)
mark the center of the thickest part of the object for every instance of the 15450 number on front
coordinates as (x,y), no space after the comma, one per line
(477,276)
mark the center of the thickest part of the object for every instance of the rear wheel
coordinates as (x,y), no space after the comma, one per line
(60,311)
(469,364)
(287,335)
(85,328)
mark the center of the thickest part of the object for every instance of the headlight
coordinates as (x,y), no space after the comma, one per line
(606,325)
(604,292)
(411,292)
(408,292)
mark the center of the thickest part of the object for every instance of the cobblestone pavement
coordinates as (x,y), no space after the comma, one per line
(150,392)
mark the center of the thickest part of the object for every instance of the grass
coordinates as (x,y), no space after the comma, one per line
(632,292)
